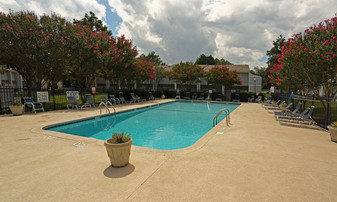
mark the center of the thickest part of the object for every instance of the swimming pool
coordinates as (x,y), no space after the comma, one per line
(168,126)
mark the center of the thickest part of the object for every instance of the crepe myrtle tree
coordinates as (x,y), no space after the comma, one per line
(222,76)
(90,54)
(185,72)
(22,41)
(309,59)
(123,69)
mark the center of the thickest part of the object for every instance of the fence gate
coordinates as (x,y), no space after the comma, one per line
(9,96)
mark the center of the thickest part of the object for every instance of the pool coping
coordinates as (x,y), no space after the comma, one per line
(88,140)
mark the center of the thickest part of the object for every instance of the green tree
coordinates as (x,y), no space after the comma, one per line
(93,22)
(222,62)
(275,51)
(152,57)
(205,60)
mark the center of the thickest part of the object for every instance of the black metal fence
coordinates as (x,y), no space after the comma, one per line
(325,111)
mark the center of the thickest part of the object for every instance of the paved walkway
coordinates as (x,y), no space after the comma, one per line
(255,159)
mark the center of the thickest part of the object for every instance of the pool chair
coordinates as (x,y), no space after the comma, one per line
(73,103)
(178,96)
(113,99)
(272,105)
(133,98)
(259,99)
(251,99)
(90,101)
(194,96)
(187,96)
(201,96)
(268,101)
(237,98)
(122,99)
(151,96)
(302,118)
(219,98)
(297,115)
(29,103)
(286,109)
(288,113)
(105,101)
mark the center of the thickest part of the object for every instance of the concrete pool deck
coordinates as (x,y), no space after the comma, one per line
(255,159)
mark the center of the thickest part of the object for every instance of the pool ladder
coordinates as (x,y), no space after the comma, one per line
(107,110)
(228,118)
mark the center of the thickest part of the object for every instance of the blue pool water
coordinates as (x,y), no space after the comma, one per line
(167,126)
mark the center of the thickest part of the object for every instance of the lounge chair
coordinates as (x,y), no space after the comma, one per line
(194,96)
(237,98)
(133,98)
(251,99)
(269,99)
(178,95)
(287,113)
(278,109)
(272,105)
(122,99)
(90,101)
(105,100)
(187,96)
(259,99)
(29,103)
(151,96)
(219,98)
(201,96)
(73,103)
(113,99)
(303,118)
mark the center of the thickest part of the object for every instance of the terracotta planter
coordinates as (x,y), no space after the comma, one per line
(333,133)
(16,110)
(118,153)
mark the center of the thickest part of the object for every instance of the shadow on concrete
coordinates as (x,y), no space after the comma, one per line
(112,172)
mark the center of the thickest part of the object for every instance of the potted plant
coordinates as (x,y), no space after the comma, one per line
(163,96)
(118,148)
(333,131)
(16,109)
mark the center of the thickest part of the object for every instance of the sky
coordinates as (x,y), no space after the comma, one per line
(239,31)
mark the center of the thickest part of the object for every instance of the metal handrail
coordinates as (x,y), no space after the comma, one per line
(228,119)
(107,110)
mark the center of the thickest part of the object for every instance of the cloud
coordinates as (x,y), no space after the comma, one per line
(240,31)
(69,9)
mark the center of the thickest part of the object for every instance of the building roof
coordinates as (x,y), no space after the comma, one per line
(238,68)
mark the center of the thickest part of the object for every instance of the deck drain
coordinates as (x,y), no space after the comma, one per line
(78,144)
(48,137)
(219,133)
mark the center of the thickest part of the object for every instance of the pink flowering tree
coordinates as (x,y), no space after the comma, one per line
(222,76)
(21,43)
(143,70)
(308,61)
